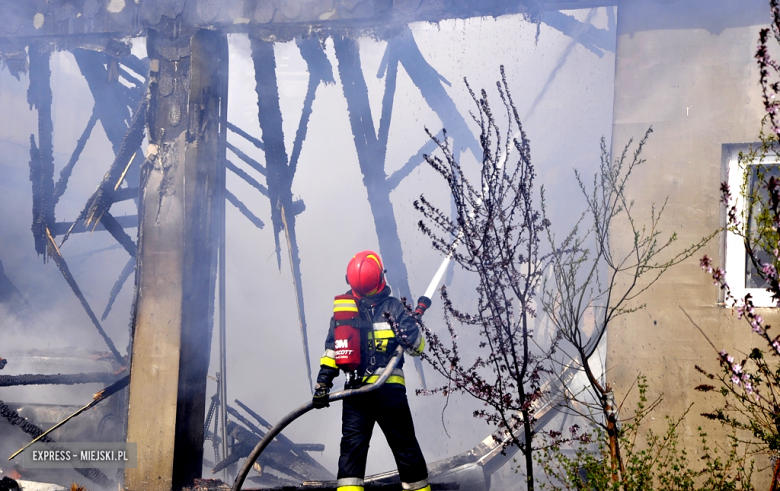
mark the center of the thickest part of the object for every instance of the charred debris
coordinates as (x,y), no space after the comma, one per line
(103,424)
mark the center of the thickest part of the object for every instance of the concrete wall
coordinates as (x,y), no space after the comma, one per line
(686,68)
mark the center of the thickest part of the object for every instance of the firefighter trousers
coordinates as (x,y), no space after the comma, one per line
(388,407)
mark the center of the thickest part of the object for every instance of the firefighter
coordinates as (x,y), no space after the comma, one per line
(360,315)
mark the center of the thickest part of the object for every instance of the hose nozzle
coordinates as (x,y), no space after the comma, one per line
(422,305)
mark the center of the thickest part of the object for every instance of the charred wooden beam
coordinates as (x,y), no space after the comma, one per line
(429,82)
(117,231)
(124,194)
(101,200)
(414,161)
(246,177)
(316,60)
(236,455)
(270,118)
(287,216)
(54,252)
(174,304)
(118,284)
(13,417)
(243,209)
(320,71)
(241,419)
(39,96)
(111,105)
(310,447)
(283,21)
(58,379)
(104,45)
(125,221)
(280,173)
(390,62)
(261,420)
(246,158)
(62,183)
(591,38)
(251,139)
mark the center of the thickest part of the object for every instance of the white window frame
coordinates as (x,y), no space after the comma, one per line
(734,264)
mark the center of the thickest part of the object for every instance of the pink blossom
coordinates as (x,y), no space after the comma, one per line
(735,380)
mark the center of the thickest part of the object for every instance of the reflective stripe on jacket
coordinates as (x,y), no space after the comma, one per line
(379,340)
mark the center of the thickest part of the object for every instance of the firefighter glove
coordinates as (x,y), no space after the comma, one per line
(320,398)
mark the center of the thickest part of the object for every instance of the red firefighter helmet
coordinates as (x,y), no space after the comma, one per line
(365,274)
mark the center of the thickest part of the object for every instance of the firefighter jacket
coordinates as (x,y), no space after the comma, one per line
(378,340)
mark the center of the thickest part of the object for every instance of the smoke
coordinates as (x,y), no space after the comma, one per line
(265,362)
(265,369)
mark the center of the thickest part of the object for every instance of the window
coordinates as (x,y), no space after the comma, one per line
(741,274)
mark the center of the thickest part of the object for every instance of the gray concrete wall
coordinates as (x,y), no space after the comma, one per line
(686,68)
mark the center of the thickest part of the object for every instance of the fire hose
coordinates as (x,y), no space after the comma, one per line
(305,408)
